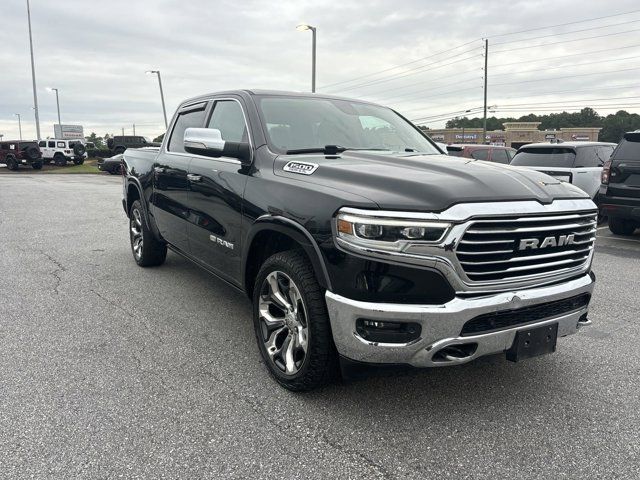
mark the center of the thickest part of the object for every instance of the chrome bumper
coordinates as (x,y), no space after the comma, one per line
(442,324)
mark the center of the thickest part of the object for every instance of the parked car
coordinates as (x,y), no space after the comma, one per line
(112,165)
(119,144)
(578,163)
(360,246)
(62,151)
(17,152)
(490,153)
(619,195)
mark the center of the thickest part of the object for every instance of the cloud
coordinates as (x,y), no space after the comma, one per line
(96,53)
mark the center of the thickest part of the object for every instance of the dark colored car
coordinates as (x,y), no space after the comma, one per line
(119,144)
(619,195)
(357,240)
(17,152)
(112,165)
(490,153)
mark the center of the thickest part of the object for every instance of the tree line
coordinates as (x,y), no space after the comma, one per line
(613,125)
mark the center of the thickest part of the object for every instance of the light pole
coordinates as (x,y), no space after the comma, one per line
(302,27)
(33,74)
(20,125)
(164,110)
(51,89)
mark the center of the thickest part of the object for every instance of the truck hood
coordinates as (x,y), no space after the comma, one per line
(425,182)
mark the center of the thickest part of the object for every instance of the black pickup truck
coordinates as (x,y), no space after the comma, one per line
(357,241)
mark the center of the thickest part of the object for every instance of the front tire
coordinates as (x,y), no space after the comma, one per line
(147,250)
(291,323)
(621,226)
(36,165)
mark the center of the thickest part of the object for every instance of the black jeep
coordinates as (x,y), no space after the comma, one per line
(16,152)
(119,144)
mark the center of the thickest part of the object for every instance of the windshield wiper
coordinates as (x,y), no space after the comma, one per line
(330,150)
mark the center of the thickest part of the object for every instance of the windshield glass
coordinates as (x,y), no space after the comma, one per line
(545,157)
(295,123)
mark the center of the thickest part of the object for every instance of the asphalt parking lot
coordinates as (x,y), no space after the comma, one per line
(108,370)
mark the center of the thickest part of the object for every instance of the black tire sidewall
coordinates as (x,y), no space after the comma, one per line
(621,226)
(153,251)
(12,163)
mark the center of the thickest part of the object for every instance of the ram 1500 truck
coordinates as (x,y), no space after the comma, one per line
(356,239)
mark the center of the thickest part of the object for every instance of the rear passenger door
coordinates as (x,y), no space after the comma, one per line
(170,184)
(217,188)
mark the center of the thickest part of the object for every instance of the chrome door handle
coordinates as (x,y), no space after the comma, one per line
(159,169)
(194,178)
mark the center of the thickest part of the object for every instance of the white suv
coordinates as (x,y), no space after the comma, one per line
(579,163)
(63,151)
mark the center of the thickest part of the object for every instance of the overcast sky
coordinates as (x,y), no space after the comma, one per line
(97,53)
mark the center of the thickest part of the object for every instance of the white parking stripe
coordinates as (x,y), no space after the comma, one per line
(623,239)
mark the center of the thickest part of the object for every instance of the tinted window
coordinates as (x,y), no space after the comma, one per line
(499,155)
(52,144)
(227,117)
(306,122)
(454,151)
(188,119)
(42,144)
(481,154)
(512,153)
(545,157)
(629,147)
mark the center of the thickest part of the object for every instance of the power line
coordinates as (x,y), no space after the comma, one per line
(568,33)
(567,41)
(408,72)
(565,76)
(564,56)
(387,98)
(401,65)
(564,24)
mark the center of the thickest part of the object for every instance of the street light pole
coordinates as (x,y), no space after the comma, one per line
(33,74)
(164,110)
(301,27)
(486,63)
(20,125)
(58,105)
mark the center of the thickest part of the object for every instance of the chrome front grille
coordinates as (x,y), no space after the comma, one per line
(516,248)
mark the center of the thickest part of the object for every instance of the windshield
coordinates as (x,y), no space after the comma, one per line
(545,157)
(295,123)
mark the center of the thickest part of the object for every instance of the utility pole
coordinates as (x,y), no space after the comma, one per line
(33,74)
(123,131)
(134,129)
(486,63)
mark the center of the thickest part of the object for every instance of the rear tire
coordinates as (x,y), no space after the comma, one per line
(60,160)
(12,163)
(147,250)
(621,226)
(78,161)
(292,325)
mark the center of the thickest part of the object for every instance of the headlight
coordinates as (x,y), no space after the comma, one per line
(387,233)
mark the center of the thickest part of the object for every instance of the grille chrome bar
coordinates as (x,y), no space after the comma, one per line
(489,250)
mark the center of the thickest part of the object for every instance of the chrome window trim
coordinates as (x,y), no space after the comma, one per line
(190,107)
(442,255)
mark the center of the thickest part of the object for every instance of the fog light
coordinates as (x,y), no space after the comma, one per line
(388,332)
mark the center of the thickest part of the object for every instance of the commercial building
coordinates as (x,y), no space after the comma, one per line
(515,134)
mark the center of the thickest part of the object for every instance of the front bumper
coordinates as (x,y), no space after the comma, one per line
(442,324)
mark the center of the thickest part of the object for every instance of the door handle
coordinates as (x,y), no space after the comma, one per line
(159,169)
(194,178)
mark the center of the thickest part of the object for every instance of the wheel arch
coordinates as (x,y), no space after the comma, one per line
(273,234)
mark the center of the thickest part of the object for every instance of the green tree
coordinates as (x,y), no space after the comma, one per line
(96,140)
(615,125)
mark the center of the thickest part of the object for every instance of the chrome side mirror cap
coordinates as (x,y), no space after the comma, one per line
(198,139)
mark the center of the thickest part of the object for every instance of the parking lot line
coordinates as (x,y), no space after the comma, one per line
(623,239)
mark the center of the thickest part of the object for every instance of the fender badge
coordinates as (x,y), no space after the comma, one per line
(302,168)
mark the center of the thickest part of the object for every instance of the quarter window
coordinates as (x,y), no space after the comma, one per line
(61,145)
(52,144)
(187,119)
(228,118)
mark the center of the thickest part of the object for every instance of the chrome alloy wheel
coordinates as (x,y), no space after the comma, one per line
(136,233)
(283,322)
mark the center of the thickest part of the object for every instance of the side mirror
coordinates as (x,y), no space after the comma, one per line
(209,142)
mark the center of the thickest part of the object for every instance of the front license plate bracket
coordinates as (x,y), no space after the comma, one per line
(533,342)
